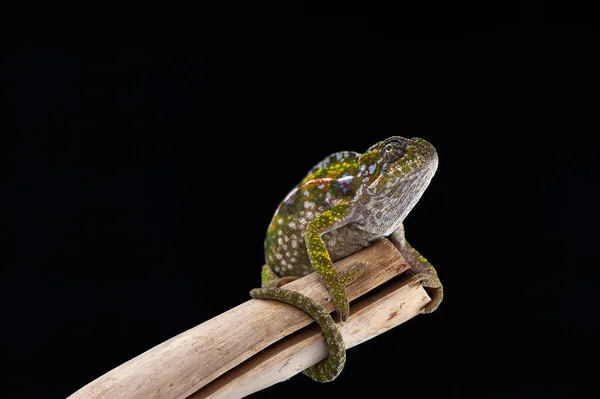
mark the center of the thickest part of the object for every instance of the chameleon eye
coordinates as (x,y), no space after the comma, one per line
(392,151)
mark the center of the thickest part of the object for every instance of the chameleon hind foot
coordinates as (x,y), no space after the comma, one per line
(328,369)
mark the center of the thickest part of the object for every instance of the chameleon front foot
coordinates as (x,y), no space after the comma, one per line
(328,369)
(423,271)
(433,287)
(337,288)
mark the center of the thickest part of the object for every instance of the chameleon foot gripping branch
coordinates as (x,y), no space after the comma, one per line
(345,203)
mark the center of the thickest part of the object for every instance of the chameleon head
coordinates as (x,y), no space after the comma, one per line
(394,174)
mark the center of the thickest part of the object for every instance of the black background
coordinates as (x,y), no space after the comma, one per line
(147,167)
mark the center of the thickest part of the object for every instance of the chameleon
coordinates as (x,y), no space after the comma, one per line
(345,203)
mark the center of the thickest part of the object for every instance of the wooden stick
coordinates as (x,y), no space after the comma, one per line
(370,317)
(182,365)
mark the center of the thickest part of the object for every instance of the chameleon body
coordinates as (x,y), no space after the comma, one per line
(346,202)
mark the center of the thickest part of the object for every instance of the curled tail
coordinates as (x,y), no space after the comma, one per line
(327,369)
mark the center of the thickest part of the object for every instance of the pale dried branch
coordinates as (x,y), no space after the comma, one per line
(229,356)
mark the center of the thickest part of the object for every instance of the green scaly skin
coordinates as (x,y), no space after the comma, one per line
(348,201)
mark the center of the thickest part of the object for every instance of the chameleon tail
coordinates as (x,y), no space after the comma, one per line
(328,369)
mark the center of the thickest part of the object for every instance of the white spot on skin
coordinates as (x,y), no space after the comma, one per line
(309,204)
(285,247)
(292,225)
(346,179)
(290,267)
(292,259)
(286,238)
(294,244)
(279,241)
(306,193)
(310,215)
(302,220)
(363,167)
(277,269)
(279,256)
(283,262)
(372,169)
(321,186)
(295,253)
(279,221)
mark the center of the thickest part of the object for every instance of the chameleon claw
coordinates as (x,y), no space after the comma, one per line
(340,302)
(345,278)
(343,314)
(436,294)
(433,287)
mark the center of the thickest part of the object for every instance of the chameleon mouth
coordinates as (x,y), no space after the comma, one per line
(426,155)
(425,149)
